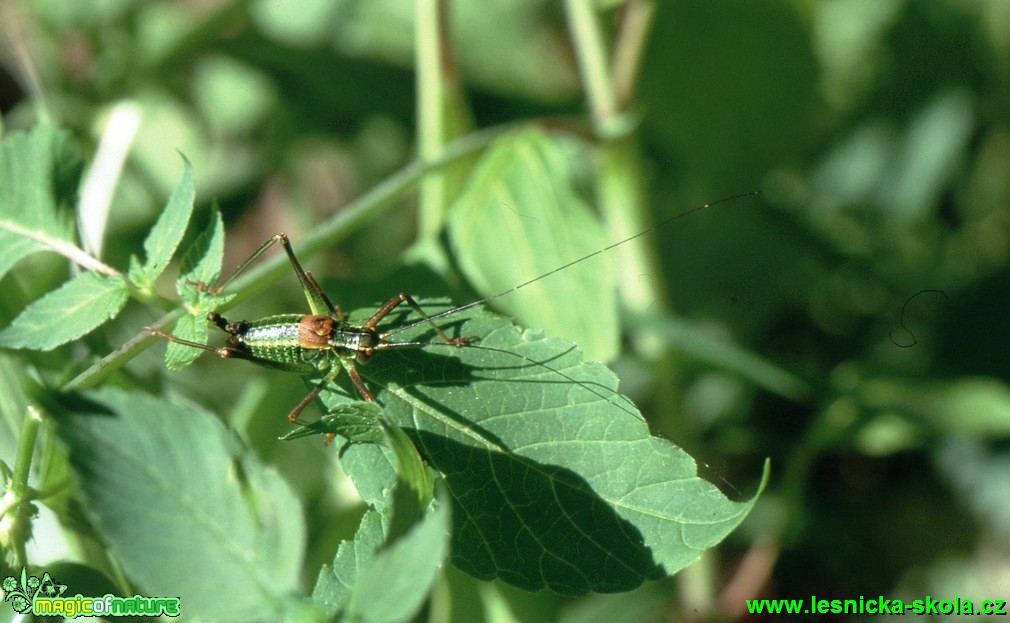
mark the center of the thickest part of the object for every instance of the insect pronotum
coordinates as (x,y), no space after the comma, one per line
(324,342)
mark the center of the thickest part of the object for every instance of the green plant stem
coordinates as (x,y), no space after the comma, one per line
(629,48)
(100,370)
(70,251)
(619,181)
(587,35)
(443,113)
(430,89)
(360,211)
(26,448)
(20,497)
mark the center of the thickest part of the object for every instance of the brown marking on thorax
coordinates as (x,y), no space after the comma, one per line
(315,331)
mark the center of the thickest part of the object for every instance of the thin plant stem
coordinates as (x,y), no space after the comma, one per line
(431,131)
(590,51)
(70,251)
(629,48)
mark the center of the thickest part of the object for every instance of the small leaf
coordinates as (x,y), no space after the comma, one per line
(520,194)
(336,581)
(67,313)
(202,261)
(190,328)
(200,264)
(168,231)
(171,491)
(415,484)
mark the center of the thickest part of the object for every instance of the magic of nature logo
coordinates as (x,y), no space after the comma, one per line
(45,597)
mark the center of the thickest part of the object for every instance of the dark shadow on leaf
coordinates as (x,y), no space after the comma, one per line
(61,404)
(535,525)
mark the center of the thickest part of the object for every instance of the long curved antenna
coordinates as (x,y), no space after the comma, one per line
(572,263)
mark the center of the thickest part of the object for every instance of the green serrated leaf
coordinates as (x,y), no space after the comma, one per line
(335,582)
(38,174)
(373,579)
(190,328)
(520,192)
(556,479)
(398,579)
(202,261)
(168,231)
(67,313)
(372,468)
(173,493)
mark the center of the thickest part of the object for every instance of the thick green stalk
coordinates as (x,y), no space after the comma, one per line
(17,509)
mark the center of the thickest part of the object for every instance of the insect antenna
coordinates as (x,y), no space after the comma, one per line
(569,264)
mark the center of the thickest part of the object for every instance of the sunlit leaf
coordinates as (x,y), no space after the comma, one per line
(68,312)
(172,491)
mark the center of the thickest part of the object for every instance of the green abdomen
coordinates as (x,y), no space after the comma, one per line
(275,339)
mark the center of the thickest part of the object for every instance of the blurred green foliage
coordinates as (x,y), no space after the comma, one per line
(876,131)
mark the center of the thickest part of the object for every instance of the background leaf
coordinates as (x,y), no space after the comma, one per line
(68,312)
(38,173)
(517,219)
(172,492)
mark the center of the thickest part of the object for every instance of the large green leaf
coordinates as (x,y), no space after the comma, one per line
(556,479)
(519,218)
(68,312)
(184,508)
(38,172)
